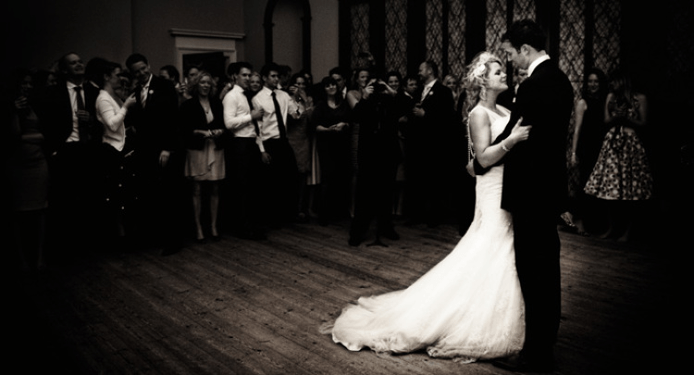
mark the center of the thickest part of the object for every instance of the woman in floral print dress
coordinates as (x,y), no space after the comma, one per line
(622,175)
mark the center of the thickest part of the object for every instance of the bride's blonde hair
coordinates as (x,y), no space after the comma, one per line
(476,78)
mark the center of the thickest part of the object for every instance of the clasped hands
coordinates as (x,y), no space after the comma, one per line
(210,133)
(519,133)
(82,115)
(338,127)
(257,114)
(21,103)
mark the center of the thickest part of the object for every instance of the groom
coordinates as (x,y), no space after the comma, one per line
(535,190)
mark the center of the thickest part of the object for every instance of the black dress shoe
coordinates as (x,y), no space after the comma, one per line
(390,234)
(171,250)
(252,235)
(433,224)
(355,241)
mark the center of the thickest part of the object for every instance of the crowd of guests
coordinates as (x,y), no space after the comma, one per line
(102,154)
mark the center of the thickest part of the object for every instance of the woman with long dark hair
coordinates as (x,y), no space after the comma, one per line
(589,132)
(331,123)
(120,184)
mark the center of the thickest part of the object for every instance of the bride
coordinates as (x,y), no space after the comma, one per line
(469,306)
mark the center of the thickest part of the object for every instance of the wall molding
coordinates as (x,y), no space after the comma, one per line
(199,41)
(205,34)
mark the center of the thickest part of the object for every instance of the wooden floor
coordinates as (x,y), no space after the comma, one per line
(244,307)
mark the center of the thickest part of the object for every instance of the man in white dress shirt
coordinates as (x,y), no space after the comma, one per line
(280,173)
(244,154)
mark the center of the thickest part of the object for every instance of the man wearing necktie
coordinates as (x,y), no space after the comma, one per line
(431,143)
(159,157)
(280,182)
(72,138)
(243,155)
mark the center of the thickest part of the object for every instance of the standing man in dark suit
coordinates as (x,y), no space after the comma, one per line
(72,138)
(429,147)
(378,113)
(159,156)
(535,190)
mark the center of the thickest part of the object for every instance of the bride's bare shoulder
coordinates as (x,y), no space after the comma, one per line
(479,116)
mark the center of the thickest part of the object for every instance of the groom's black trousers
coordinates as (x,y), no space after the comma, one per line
(537,247)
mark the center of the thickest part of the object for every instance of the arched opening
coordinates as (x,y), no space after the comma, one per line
(287,26)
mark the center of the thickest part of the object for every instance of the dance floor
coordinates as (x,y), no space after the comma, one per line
(254,307)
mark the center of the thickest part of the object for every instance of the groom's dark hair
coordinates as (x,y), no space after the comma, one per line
(135,58)
(526,32)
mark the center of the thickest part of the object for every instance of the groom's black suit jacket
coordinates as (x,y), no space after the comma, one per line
(535,175)
(535,191)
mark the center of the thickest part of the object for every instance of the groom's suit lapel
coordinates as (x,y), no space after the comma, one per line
(525,94)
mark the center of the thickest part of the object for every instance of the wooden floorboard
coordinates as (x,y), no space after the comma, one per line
(245,307)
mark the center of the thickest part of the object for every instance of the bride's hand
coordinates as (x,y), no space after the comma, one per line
(470,167)
(520,133)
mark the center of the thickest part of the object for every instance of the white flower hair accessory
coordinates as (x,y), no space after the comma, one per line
(476,77)
(479,70)
(481,64)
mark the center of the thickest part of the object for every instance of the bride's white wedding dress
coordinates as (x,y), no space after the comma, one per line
(468,307)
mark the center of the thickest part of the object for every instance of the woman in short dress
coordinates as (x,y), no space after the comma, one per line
(203,133)
(299,135)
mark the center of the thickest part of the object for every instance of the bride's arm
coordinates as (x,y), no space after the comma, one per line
(480,131)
